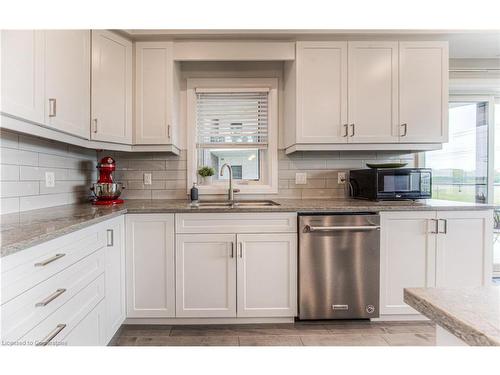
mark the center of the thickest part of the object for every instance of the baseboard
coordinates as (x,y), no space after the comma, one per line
(188,321)
(400,318)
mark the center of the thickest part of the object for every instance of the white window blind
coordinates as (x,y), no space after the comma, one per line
(228,119)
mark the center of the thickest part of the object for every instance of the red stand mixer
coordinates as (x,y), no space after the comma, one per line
(106,192)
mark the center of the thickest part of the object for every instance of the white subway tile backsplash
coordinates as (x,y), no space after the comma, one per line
(9,205)
(18,188)
(18,157)
(25,159)
(9,172)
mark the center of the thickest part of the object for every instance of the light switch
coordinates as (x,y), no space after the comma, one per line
(148,180)
(300,178)
(50,179)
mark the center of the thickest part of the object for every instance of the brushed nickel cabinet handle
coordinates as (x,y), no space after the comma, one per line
(241,250)
(50,260)
(405,130)
(168,131)
(436,226)
(51,335)
(50,298)
(95,125)
(445,227)
(346,130)
(52,107)
(353,131)
(110,237)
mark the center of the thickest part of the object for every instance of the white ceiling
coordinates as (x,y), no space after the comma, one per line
(463,44)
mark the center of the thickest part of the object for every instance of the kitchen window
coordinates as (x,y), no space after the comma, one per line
(233,121)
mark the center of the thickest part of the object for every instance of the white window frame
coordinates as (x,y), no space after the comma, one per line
(268,183)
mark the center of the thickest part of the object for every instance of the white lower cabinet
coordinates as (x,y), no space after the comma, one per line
(150,265)
(407,257)
(241,273)
(432,249)
(267,275)
(114,273)
(205,275)
(464,255)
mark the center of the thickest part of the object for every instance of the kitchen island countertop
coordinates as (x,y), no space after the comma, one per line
(471,314)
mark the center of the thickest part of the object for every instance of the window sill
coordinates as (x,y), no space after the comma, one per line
(244,189)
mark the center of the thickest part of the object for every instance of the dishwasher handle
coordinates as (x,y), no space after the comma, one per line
(309,228)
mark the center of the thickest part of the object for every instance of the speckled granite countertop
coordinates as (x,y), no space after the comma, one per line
(471,314)
(23,230)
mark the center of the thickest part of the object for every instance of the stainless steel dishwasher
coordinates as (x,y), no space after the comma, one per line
(339,266)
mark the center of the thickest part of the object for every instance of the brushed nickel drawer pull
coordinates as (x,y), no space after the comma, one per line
(346,130)
(50,260)
(232,249)
(51,335)
(95,125)
(50,298)
(445,228)
(353,130)
(241,250)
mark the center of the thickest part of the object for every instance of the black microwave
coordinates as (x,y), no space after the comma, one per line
(391,184)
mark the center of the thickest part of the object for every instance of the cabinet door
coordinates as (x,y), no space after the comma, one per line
(114,275)
(205,275)
(267,275)
(321,92)
(150,265)
(111,87)
(89,332)
(423,91)
(464,249)
(154,92)
(373,92)
(22,74)
(407,253)
(67,81)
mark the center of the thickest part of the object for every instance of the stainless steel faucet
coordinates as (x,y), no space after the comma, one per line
(231,191)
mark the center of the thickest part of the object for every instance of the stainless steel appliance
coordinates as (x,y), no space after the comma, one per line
(391,183)
(339,266)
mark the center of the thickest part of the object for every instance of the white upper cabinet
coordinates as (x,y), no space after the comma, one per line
(373,92)
(343,95)
(22,74)
(156,93)
(423,91)
(321,101)
(67,81)
(111,87)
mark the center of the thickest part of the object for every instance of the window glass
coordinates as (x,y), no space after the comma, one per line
(460,168)
(244,162)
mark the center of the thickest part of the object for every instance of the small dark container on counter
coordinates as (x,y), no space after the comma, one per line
(194,195)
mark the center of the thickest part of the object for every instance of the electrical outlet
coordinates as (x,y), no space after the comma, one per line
(148,179)
(341,178)
(50,179)
(300,178)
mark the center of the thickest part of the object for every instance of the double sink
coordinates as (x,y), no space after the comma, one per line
(237,204)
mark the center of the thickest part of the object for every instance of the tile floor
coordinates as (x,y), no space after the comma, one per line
(344,333)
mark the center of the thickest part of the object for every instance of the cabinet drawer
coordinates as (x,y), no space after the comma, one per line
(281,222)
(30,267)
(57,328)
(27,310)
